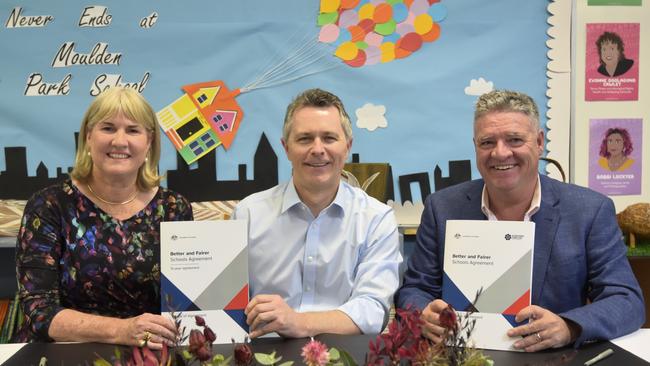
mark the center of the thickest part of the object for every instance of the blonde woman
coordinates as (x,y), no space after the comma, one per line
(88,253)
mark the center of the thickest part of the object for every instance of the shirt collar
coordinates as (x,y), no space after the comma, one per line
(535,203)
(291,198)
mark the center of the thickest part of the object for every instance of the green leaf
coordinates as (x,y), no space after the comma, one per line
(334,354)
(98,362)
(186,354)
(266,359)
(346,359)
(225,362)
(218,358)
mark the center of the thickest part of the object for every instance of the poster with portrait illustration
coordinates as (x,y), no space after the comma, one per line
(615,147)
(612,61)
(614,2)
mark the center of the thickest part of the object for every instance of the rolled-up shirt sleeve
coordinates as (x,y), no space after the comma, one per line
(377,276)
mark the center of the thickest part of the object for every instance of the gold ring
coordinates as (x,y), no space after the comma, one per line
(145,340)
(539,337)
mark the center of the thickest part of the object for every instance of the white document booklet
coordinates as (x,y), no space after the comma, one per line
(204,271)
(496,258)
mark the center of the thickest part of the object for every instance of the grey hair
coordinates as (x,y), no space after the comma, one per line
(507,101)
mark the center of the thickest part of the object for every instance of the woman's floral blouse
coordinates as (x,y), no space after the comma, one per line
(71,254)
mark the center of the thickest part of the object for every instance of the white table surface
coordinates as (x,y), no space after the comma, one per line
(636,343)
(7,350)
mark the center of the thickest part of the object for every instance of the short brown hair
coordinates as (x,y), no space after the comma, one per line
(320,99)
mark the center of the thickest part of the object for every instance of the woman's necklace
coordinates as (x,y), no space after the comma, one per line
(131,199)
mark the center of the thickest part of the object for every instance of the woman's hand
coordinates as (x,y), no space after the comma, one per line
(148,329)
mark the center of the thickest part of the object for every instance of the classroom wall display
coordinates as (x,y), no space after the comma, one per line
(615,156)
(612,69)
(614,2)
(607,90)
(411,106)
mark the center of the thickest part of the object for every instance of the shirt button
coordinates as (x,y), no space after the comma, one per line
(310,259)
(308,288)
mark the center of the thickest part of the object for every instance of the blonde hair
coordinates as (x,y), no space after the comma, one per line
(507,101)
(114,101)
(320,99)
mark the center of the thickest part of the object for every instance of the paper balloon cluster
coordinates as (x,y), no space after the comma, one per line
(367,32)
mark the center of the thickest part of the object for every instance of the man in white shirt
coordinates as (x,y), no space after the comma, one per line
(323,256)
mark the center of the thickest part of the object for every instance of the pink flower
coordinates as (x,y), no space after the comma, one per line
(314,353)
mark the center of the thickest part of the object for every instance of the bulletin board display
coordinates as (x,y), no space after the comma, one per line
(407,71)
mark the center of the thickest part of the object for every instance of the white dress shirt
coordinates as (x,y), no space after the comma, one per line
(535,204)
(347,258)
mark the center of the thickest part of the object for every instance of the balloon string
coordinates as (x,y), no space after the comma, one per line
(307,58)
(273,69)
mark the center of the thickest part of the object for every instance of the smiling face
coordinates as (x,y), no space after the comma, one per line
(508,147)
(615,144)
(609,53)
(317,148)
(118,147)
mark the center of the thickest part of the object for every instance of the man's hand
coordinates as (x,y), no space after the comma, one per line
(545,330)
(270,313)
(431,314)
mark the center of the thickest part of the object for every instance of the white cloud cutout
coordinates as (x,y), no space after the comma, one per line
(371,117)
(408,214)
(479,87)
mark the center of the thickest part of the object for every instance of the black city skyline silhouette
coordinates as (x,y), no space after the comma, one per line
(202,182)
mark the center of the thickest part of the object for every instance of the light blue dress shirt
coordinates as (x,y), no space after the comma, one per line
(347,258)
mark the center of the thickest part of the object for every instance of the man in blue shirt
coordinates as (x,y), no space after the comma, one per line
(323,256)
(583,288)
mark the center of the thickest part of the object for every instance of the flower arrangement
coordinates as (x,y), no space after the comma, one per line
(401,344)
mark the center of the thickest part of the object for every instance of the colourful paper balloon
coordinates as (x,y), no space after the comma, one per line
(349,4)
(348,18)
(438,12)
(423,23)
(433,34)
(367,24)
(366,32)
(400,12)
(387,52)
(410,42)
(374,39)
(327,18)
(347,51)
(383,13)
(404,28)
(357,33)
(358,61)
(328,6)
(373,55)
(329,33)
(386,28)
(366,11)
